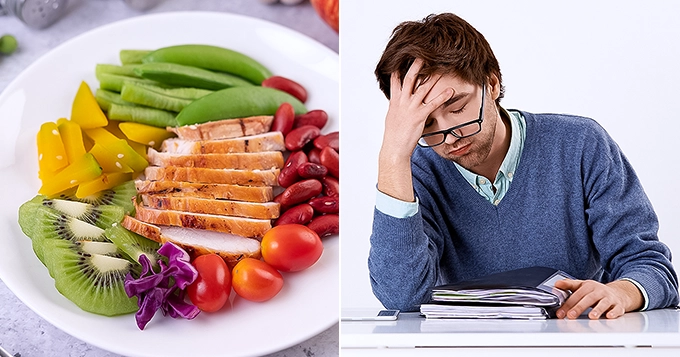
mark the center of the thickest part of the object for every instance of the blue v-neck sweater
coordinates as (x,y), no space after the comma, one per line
(575,204)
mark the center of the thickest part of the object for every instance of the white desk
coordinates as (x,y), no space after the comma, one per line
(634,334)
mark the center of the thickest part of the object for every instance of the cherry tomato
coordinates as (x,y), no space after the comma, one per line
(210,291)
(291,247)
(256,280)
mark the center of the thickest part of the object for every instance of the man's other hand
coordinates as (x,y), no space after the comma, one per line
(611,300)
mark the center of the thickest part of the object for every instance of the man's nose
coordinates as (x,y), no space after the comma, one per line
(450,138)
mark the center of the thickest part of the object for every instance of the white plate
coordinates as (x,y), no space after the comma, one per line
(308,303)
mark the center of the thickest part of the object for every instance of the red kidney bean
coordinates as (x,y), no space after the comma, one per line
(299,137)
(325,225)
(331,139)
(300,214)
(325,204)
(331,186)
(312,170)
(313,156)
(316,117)
(283,119)
(300,192)
(331,159)
(289,86)
(289,173)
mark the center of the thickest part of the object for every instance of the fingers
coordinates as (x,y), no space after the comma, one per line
(412,75)
(568,284)
(603,300)
(439,100)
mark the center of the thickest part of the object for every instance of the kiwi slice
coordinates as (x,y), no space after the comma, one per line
(120,195)
(132,244)
(103,216)
(48,223)
(46,246)
(94,282)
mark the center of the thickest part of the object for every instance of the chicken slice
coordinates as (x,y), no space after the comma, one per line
(224,129)
(230,247)
(246,227)
(267,210)
(203,175)
(271,141)
(206,190)
(242,161)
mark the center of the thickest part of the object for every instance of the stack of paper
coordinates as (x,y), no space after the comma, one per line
(527,293)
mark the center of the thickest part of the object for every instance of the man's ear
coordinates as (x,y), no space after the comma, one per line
(495,86)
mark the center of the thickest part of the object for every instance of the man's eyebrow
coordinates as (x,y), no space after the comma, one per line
(455,98)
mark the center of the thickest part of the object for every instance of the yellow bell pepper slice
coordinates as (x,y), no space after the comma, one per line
(85,110)
(51,152)
(85,168)
(108,160)
(101,183)
(145,134)
(72,137)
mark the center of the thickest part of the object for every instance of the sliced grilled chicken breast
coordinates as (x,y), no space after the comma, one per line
(246,227)
(270,141)
(267,210)
(224,129)
(206,190)
(242,161)
(225,176)
(230,247)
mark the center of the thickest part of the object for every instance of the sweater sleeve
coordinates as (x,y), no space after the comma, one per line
(402,261)
(623,222)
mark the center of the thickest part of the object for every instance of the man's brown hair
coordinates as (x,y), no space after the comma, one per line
(447,44)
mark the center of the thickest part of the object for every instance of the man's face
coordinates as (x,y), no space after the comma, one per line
(461,108)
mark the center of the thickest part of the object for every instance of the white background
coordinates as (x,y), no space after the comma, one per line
(614,61)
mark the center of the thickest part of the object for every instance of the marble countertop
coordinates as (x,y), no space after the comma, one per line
(24,333)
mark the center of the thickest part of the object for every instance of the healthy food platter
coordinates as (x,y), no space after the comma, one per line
(308,301)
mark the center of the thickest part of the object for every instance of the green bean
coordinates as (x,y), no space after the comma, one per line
(187,76)
(146,95)
(237,102)
(144,115)
(105,98)
(125,70)
(182,92)
(132,56)
(114,82)
(212,58)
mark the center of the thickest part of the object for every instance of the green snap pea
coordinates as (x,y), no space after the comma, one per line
(143,115)
(187,76)
(146,95)
(212,58)
(125,70)
(105,98)
(237,102)
(132,56)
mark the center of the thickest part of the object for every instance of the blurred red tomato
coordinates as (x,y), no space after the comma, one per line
(329,12)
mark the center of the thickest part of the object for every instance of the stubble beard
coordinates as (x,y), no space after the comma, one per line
(477,153)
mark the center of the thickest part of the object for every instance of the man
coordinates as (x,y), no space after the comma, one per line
(467,188)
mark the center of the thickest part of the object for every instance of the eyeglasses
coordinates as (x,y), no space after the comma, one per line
(460,131)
